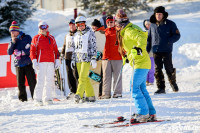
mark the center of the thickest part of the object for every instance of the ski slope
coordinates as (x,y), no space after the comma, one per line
(182,108)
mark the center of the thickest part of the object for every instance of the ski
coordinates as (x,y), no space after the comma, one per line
(56,99)
(135,123)
(120,123)
(119,120)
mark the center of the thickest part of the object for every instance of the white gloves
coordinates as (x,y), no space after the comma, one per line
(35,64)
(93,63)
(57,64)
(72,64)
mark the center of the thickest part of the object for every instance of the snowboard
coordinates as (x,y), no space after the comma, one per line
(95,81)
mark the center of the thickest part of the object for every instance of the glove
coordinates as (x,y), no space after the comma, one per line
(35,64)
(99,55)
(57,64)
(61,57)
(125,60)
(139,50)
(18,54)
(72,64)
(135,51)
(93,63)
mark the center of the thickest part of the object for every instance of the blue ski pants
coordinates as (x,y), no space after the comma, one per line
(140,94)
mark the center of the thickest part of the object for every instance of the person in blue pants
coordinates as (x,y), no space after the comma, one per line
(133,40)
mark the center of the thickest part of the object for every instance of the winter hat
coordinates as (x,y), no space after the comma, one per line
(43,25)
(121,14)
(103,13)
(121,17)
(109,18)
(14,27)
(72,21)
(145,22)
(96,23)
(159,9)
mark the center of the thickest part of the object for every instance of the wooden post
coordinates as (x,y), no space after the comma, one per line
(63,5)
(75,13)
(41,5)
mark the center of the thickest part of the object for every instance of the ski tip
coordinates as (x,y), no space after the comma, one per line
(56,99)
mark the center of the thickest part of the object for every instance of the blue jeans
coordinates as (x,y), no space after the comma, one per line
(140,94)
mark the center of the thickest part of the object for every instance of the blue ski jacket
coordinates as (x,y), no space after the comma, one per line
(161,37)
(22,44)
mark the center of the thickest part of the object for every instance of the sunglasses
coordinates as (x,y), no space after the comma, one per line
(43,27)
(110,22)
(80,24)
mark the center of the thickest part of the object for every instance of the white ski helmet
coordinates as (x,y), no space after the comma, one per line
(42,23)
(80,19)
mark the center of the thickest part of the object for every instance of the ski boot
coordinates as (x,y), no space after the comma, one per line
(152,118)
(160,91)
(139,118)
(38,103)
(90,99)
(117,96)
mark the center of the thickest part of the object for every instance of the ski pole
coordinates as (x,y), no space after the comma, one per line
(131,89)
(63,74)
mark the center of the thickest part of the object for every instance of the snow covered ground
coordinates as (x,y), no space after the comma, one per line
(182,108)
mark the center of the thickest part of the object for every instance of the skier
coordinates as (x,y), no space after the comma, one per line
(45,57)
(112,62)
(100,43)
(66,52)
(20,46)
(150,75)
(161,36)
(84,55)
(133,40)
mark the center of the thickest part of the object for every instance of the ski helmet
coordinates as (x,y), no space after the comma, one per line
(43,23)
(80,19)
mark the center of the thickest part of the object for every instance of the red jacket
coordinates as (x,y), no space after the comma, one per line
(111,50)
(44,48)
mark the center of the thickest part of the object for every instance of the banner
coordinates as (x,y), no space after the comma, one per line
(7,68)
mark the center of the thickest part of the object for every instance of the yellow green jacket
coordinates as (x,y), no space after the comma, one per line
(132,35)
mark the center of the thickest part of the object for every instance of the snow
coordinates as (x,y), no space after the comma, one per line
(182,108)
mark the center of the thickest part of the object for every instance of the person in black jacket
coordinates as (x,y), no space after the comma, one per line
(20,47)
(161,36)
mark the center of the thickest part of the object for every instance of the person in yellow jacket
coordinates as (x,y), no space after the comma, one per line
(84,55)
(133,40)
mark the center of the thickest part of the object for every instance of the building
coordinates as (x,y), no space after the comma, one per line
(53,5)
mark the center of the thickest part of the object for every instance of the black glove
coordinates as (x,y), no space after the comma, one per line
(139,50)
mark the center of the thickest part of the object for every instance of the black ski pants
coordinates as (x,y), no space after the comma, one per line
(21,73)
(72,76)
(161,59)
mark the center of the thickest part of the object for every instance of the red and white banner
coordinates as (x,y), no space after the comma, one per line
(7,68)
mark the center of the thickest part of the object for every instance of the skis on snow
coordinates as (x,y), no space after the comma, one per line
(120,122)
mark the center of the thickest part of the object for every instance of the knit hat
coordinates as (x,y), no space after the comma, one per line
(121,14)
(159,9)
(121,17)
(14,27)
(96,23)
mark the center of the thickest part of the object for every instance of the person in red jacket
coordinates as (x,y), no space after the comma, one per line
(111,62)
(45,57)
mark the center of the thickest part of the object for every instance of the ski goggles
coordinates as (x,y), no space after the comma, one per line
(80,24)
(43,27)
